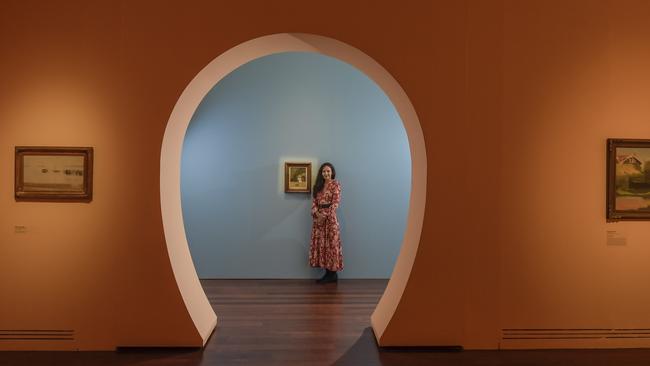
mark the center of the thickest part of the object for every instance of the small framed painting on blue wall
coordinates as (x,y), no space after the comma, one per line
(297,177)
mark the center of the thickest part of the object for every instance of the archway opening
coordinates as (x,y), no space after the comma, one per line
(182,265)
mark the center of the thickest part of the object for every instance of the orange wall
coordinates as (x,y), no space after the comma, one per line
(450,298)
(515,101)
(101,269)
(574,74)
(107,74)
(515,231)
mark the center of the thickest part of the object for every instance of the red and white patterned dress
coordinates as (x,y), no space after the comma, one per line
(325,247)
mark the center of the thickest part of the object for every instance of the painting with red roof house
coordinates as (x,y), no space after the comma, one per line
(628,179)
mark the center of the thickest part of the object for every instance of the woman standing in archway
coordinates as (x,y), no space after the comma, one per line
(325,247)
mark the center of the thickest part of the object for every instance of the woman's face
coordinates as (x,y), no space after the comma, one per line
(327,173)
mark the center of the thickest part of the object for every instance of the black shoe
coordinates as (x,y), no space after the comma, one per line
(320,280)
(331,276)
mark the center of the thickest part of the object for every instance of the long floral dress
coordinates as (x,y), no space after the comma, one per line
(325,247)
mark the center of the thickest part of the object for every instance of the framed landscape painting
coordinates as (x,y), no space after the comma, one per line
(57,174)
(628,179)
(297,177)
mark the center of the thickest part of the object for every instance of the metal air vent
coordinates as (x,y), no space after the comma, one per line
(582,333)
(36,335)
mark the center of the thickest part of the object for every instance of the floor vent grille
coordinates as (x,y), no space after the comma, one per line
(36,335)
(596,333)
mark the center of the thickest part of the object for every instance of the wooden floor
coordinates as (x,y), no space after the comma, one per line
(296,322)
(288,322)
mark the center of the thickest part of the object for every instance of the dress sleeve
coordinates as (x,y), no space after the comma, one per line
(314,207)
(336,198)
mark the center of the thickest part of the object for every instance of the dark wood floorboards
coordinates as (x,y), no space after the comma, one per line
(288,322)
(296,322)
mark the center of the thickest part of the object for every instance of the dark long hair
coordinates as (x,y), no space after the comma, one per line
(320,181)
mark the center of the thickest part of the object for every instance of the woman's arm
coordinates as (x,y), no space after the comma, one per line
(336,198)
(314,207)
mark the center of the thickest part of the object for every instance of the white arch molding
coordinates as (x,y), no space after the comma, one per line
(204,318)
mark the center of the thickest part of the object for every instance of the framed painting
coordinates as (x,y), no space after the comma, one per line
(628,179)
(297,177)
(55,174)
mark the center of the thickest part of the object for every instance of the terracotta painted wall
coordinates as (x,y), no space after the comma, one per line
(515,98)
(574,74)
(451,297)
(71,78)
(107,75)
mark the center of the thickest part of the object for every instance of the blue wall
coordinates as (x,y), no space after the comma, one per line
(293,107)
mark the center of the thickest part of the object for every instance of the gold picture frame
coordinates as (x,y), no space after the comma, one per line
(297,177)
(54,174)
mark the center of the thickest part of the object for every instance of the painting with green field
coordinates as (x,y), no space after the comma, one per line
(628,179)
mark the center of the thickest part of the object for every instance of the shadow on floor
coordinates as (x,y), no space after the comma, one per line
(366,352)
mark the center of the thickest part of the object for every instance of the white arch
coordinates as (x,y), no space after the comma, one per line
(190,288)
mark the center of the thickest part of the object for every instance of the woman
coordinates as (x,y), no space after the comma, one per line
(325,248)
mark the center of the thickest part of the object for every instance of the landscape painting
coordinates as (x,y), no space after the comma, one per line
(55,174)
(628,179)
